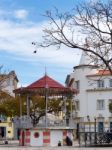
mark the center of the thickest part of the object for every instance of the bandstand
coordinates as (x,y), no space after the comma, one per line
(44,134)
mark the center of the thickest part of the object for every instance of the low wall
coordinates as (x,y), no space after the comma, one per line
(44,137)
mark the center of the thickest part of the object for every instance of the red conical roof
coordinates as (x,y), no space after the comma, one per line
(40,85)
(45,82)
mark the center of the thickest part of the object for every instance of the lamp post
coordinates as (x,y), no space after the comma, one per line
(88,118)
(95,130)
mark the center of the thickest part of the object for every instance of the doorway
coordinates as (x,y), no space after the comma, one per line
(3,132)
(77,131)
(100,126)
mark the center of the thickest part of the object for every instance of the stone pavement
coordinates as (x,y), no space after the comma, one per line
(53,148)
(13,145)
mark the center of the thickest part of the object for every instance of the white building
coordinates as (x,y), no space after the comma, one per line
(8,82)
(94,87)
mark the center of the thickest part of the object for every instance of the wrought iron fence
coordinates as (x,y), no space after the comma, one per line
(90,136)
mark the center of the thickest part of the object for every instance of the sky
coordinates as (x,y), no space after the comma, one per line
(21,23)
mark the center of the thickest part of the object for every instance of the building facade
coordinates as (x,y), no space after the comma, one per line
(8,82)
(94,87)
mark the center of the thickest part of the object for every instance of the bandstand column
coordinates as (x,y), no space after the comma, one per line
(46,101)
(20,103)
(28,105)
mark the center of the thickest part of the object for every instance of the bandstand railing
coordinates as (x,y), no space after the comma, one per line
(26,122)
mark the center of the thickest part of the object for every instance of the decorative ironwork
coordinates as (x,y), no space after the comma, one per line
(93,137)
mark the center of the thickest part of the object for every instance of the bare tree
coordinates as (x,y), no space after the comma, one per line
(54,106)
(87,27)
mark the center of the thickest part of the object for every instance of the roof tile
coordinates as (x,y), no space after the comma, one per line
(45,82)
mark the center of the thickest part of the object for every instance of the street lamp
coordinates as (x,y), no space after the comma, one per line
(95,130)
(88,118)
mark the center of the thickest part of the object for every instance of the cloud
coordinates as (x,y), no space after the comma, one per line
(17,38)
(21,14)
(16,48)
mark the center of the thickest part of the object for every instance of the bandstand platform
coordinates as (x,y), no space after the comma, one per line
(50,136)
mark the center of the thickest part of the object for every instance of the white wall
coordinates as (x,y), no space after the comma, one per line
(92,103)
(56,136)
(88,99)
(80,74)
(36,141)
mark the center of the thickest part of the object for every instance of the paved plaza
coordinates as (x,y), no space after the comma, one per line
(53,148)
(15,146)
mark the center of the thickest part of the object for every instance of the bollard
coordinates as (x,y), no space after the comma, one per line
(59,143)
(6,142)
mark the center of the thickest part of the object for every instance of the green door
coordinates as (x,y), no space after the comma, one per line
(100,127)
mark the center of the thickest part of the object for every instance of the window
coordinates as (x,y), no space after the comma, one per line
(77,104)
(77,85)
(110,83)
(110,105)
(110,126)
(100,104)
(100,83)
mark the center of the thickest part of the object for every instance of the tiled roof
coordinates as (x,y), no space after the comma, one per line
(101,73)
(45,81)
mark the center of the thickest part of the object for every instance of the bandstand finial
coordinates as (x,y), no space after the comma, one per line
(45,71)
